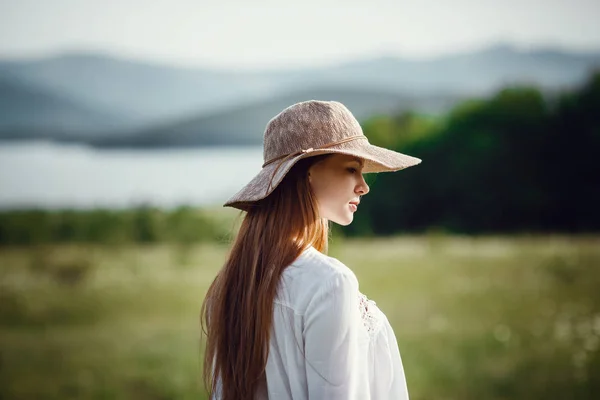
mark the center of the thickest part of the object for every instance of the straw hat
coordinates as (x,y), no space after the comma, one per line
(309,129)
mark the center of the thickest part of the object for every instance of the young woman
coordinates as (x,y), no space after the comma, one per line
(282,319)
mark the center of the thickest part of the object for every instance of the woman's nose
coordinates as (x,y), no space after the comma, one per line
(362,187)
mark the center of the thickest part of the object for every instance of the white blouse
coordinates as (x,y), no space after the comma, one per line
(328,340)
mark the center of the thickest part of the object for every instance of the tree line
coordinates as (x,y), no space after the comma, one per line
(142,224)
(517,162)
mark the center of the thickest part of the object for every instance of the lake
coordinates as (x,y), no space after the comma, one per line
(51,175)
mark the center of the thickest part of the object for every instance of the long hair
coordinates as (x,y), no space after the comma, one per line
(237,312)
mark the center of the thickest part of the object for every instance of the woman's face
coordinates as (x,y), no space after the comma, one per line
(337,183)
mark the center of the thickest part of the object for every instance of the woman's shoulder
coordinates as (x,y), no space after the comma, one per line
(314,276)
(321,267)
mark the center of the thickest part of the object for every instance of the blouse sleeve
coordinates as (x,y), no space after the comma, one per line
(331,334)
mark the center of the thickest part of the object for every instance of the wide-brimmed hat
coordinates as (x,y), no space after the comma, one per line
(308,129)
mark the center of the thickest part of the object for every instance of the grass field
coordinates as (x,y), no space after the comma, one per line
(475,318)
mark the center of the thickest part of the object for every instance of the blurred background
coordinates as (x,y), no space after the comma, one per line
(125,125)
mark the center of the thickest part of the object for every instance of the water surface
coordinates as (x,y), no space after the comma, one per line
(51,175)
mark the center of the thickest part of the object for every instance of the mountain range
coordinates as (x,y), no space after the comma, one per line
(107,101)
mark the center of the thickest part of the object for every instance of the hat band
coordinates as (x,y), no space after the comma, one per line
(285,157)
(348,139)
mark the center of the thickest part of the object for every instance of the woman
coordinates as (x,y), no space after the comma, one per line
(282,319)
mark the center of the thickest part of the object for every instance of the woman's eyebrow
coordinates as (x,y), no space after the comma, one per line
(359,161)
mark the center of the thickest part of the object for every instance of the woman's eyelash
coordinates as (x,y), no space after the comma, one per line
(352,170)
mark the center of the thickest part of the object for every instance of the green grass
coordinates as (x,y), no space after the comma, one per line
(475,318)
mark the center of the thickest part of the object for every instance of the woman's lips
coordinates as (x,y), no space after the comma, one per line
(353,207)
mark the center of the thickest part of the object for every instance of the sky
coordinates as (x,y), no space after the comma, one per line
(263,34)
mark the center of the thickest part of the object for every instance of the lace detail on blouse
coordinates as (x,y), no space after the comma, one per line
(369,313)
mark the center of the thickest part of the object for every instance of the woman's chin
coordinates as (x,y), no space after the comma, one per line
(345,220)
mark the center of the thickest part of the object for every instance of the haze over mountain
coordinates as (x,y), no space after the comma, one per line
(147,103)
(33,111)
(146,92)
(244,125)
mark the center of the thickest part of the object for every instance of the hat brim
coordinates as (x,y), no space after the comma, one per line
(376,159)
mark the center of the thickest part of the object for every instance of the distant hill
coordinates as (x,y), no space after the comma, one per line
(150,92)
(245,125)
(146,92)
(98,95)
(29,111)
(477,73)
